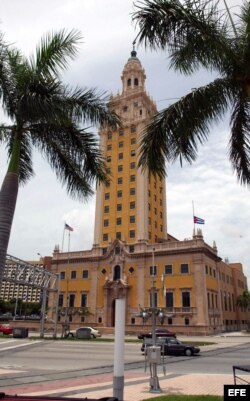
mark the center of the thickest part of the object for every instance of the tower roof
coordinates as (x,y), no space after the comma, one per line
(133,75)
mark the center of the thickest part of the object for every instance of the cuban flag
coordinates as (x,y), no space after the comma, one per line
(198,220)
(67,227)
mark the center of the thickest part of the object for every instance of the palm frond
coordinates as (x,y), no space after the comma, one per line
(194,33)
(89,106)
(177,131)
(239,147)
(8,80)
(55,50)
(73,154)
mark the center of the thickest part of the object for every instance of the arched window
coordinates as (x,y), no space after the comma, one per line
(136,82)
(129,82)
(117,273)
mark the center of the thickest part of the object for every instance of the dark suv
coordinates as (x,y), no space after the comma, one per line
(172,346)
(158,333)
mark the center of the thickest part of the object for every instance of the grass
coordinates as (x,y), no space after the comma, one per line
(186,398)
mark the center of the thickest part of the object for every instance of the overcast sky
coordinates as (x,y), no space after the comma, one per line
(43,205)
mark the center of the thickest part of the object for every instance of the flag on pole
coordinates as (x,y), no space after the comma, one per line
(67,227)
(198,220)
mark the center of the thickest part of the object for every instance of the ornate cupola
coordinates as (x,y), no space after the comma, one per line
(133,75)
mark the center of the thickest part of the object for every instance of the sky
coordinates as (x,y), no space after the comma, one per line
(43,205)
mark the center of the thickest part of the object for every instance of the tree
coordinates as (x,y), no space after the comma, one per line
(47,115)
(243,300)
(198,35)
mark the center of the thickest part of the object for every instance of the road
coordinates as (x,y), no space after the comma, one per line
(50,360)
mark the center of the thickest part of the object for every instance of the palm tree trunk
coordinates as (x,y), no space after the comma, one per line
(8,196)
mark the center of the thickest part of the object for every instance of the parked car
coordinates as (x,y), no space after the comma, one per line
(172,346)
(158,333)
(93,332)
(6,329)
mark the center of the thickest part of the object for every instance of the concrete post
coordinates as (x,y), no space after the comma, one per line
(118,378)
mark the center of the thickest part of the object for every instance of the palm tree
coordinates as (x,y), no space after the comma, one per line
(198,35)
(47,115)
(243,300)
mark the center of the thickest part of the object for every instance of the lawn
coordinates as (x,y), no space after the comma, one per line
(186,398)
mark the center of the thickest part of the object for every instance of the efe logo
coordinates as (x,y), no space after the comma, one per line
(236,393)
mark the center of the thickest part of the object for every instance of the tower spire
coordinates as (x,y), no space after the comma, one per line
(133,53)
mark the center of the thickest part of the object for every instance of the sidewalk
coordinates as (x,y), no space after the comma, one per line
(136,382)
(136,386)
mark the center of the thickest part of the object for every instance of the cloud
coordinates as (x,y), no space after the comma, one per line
(43,205)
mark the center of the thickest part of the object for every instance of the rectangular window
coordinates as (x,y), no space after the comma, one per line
(132,205)
(119,207)
(132,165)
(62,275)
(168,269)
(119,180)
(132,153)
(120,168)
(119,194)
(132,219)
(109,147)
(105,237)
(121,132)
(184,268)
(107,196)
(186,299)
(109,135)
(73,274)
(106,209)
(133,141)
(120,156)
(132,234)
(85,274)
(71,300)
(153,270)
(118,235)
(169,300)
(60,300)
(84,300)
(119,221)
(106,223)
(132,178)
(133,129)
(120,144)
(132,191)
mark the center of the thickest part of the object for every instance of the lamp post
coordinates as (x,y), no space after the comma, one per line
(154,381)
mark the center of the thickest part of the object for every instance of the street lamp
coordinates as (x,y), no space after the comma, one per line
(154,381)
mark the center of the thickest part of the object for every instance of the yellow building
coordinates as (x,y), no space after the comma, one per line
(132,250)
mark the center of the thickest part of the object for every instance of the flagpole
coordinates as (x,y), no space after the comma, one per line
(69,242)
(63,237)
(193,215)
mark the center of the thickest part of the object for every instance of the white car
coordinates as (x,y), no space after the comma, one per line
(93,332)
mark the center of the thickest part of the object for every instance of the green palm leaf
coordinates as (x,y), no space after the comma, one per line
(197,34)
(49,116)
